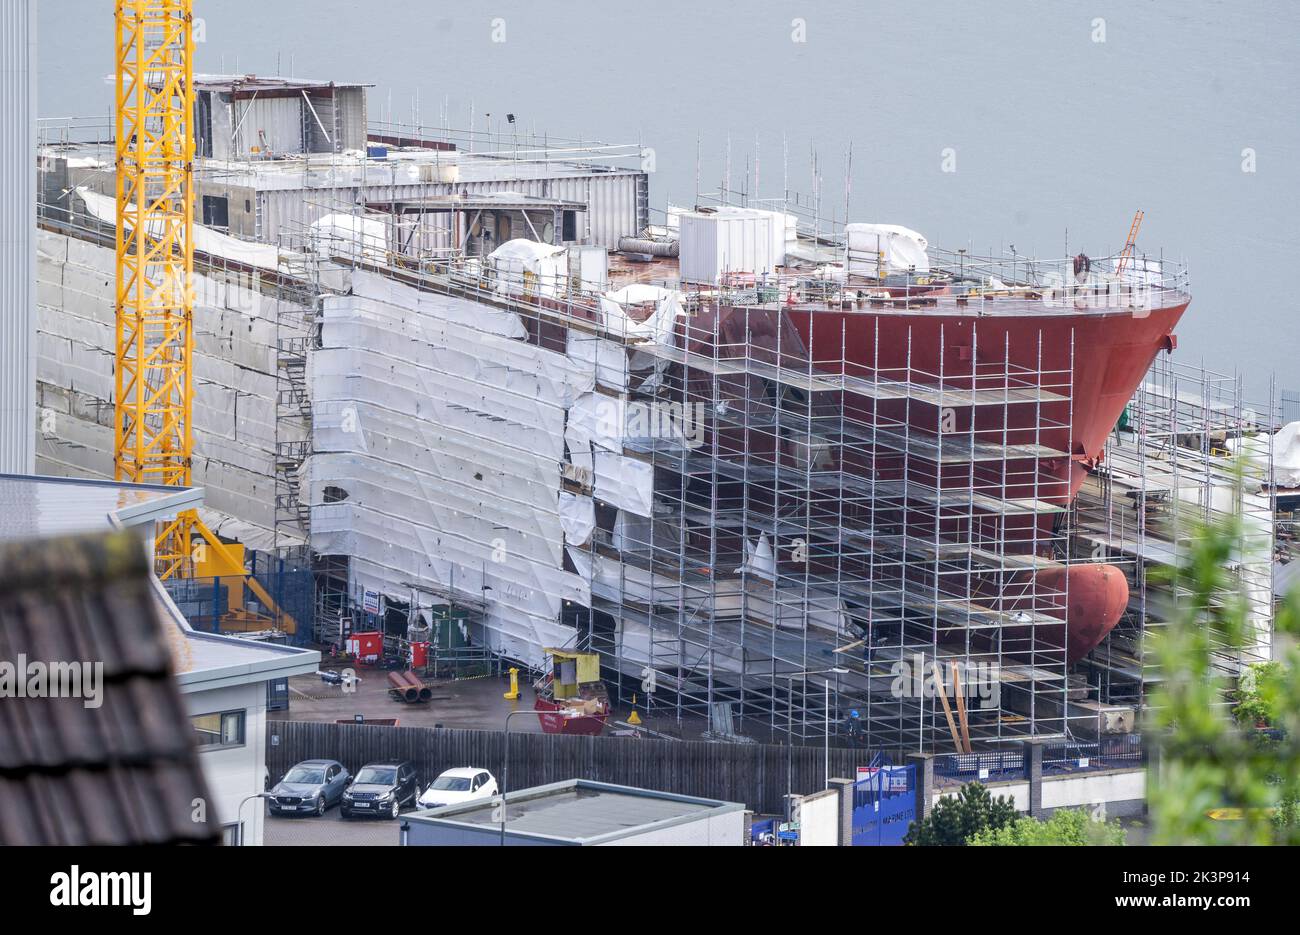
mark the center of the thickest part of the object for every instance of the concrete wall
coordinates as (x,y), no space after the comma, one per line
(819,819)
(234,773)
(715,830)
(17,233)
(1120,791)
(234,380)
(725,830)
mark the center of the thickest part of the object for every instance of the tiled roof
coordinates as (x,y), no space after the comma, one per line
(125,772)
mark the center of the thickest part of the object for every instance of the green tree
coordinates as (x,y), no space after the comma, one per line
(1212,757)
(1257,693)
(955,819)
(1067,827)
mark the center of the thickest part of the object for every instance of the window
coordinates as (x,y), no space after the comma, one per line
(569,226)
(230,835)
(331,774)
(224,729)
(216,211)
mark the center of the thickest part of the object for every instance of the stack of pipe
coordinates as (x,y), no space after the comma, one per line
(409,687)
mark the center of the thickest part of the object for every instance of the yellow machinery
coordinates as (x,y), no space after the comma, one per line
(154,380)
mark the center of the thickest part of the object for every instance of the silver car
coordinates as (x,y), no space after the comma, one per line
(309,788)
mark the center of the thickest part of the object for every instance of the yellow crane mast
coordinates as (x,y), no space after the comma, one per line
(153,400)
(153,403)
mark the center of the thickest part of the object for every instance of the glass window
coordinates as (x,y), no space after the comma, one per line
(223,729)
(371,775)
(451,784)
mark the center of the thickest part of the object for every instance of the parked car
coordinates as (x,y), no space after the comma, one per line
(309,788)
(459,785)
(381,789)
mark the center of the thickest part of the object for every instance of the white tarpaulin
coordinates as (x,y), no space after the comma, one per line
(625,482)
(593,419)
(526,267)
(903,249)
(1286,453)
(607,359)
(658,327)
(759,559)
(444,436)
(350,236)
(206,240)
(577,517)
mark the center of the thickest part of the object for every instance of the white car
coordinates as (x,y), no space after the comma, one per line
(459,785)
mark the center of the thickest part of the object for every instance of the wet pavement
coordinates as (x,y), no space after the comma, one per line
(329,831)
(466,703)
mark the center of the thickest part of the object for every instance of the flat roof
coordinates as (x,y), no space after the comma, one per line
(263,83)
(499,201)
(211,660)
(34,506)
(580,811)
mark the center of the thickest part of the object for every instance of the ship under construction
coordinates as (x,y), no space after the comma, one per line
(785,473)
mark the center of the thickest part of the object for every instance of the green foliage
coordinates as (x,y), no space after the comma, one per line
(1258,694)
(955,819)
(1208,758)
(1066,828)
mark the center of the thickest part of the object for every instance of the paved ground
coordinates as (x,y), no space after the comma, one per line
(331,830)
(469,703)
(475,702)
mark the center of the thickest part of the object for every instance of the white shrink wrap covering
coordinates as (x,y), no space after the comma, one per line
(903,249)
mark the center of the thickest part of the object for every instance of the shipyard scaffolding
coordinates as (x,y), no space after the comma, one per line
(1189,453)
(769,533)
(488,390)
(810,531)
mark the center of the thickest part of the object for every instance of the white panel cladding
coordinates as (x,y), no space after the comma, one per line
(445,430)
(234,379)
(17,232)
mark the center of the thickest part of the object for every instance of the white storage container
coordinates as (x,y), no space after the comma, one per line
(737,241)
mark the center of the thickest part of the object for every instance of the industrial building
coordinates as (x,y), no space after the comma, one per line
(580,813)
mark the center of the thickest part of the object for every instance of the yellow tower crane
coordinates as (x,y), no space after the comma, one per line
(154,399)
(153,404)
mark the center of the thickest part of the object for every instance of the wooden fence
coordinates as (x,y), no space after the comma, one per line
(755,774)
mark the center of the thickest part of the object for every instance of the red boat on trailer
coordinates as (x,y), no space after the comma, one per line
(571,698)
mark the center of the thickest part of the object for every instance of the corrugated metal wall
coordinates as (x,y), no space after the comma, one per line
(611,197)
(17,234)
(274,123)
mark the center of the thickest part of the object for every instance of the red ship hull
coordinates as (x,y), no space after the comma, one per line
(1098,357)
(1072,371)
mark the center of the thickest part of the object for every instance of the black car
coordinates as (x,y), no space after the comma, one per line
(381,789)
